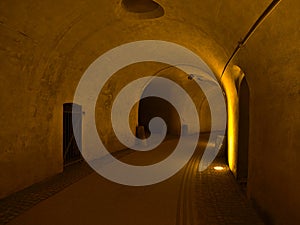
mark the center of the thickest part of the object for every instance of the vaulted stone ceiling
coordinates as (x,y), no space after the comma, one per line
(76,32)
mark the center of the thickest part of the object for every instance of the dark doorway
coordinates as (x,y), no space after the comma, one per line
(151,107)
(71,152)
(243,134)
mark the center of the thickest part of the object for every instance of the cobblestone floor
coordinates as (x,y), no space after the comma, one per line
(220,200)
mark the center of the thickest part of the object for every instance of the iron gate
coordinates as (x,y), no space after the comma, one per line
(71,152)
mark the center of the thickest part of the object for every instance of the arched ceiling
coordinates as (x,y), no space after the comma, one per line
(75,32)
(52,43)
(46,46)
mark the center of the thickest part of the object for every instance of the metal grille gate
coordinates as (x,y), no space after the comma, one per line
(71,152)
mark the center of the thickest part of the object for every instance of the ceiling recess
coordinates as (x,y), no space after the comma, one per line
(147,7)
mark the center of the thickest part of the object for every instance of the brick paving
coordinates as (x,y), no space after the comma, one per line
(17,203)
(218,199)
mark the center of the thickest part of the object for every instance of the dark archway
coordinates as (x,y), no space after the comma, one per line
(243,132)
(151,107)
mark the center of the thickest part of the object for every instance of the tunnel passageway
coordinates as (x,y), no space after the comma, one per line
(250,49)
(210,197)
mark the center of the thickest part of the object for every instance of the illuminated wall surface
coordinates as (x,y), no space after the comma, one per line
(45,47)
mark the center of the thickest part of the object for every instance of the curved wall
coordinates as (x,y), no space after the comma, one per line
(46,47)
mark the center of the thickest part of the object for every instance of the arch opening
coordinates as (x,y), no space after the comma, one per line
(243,132)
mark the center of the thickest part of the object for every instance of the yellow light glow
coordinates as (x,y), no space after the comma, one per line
(219,168)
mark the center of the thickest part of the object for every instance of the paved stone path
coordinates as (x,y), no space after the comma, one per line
(220,200)
(217,198)
(21,201)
